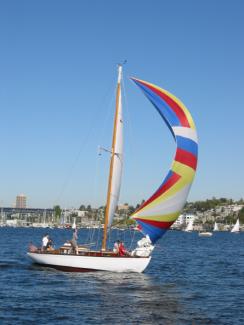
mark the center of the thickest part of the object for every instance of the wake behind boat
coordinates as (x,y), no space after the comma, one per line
(155,216)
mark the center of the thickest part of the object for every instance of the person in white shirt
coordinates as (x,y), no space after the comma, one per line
(45,240)
(116,247)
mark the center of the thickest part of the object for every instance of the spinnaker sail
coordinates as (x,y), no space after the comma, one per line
(160,211)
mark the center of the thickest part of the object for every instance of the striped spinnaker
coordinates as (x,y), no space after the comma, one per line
(161,210)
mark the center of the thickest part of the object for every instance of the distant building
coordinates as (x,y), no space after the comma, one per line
(189,217)
(123,207)
(81,213)
(180,221)
(20,201)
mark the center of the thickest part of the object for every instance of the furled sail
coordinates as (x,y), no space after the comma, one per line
(161,210)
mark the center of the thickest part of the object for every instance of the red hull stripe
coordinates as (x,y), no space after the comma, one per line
(186,158)
(167,185)
(175,107)
(158,224)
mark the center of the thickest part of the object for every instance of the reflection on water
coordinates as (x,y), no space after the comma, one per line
(190,280)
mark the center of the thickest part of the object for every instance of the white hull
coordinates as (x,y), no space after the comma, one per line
(91,263)
(205,234)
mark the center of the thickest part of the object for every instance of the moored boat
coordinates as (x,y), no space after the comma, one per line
(205,234)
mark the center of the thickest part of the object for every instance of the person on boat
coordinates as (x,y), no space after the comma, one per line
(45,242)
(116,247)
(50,244)
(122,250)
(32,248)
(73,242)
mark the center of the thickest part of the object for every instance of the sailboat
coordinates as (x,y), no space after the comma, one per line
(74,224)
(189,227)
(236,228)
(216,227)
(155,216)
(208,233)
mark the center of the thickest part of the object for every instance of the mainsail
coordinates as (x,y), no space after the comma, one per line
(189,227)
(216,227)
(161,210)
(117,154)
(236,227)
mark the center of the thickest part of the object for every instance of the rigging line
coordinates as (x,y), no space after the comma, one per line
(82,148)
(90,234)
(132,239)
(98,238)
(131,145)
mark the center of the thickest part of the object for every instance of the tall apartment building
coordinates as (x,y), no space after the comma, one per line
(20,201)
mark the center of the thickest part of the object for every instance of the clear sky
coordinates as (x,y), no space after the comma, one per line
(57,84)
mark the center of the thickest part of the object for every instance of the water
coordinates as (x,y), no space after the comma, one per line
(190,280)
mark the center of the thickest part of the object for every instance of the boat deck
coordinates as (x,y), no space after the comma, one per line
(83,251)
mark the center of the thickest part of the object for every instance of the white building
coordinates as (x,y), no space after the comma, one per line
(189,217)
(180,221)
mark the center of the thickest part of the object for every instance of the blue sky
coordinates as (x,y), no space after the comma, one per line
(57,87)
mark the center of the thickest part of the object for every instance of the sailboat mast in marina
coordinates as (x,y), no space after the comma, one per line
(156,215)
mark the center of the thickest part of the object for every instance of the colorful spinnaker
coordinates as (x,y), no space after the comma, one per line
(161,210)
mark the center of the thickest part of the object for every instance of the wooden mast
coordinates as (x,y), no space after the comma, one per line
(105,230)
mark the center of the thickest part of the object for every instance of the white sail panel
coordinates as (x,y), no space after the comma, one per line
(171,205)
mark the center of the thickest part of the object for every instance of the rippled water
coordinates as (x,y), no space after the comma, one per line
(190,280)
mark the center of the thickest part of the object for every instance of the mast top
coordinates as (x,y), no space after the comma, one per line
(120,65)
(119,73)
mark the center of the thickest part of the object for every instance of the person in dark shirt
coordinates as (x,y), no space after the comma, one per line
(74,243)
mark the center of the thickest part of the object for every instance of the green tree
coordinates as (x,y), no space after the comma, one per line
(241,215)
(57,212)
(130,210)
